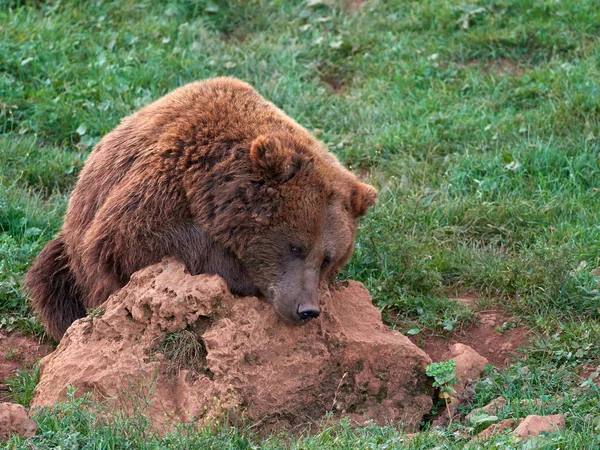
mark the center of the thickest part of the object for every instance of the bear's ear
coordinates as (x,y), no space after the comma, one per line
(273,160)
(363,197)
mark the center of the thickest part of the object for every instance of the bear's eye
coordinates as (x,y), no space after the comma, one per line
(296,251)
(326,261)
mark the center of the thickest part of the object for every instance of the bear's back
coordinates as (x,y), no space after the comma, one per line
(210,114)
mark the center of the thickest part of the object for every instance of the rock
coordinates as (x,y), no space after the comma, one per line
(492,408)
(409,437)
(469,365)
(495,428)
(535,425)
(245,362)
(14,419)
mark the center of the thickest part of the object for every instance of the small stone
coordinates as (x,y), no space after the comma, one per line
(492,408)
(506,347)
(495,428)
(14,420)
(535,425)
(469,365)
(409,437)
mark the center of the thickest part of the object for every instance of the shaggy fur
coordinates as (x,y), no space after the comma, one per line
(214,175)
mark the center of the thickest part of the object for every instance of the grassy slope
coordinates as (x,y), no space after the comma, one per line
(478,121)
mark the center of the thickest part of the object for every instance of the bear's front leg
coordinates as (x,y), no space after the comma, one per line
(139,223)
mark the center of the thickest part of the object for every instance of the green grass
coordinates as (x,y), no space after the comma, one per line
(479,122)
(33,185)
(22,386)
(79,424)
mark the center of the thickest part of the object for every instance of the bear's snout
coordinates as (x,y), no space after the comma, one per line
(307,312)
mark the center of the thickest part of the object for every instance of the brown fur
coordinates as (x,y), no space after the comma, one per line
(216,176)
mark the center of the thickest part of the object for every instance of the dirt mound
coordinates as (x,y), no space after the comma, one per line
(180,348)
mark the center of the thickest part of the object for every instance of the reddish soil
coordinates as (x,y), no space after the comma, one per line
(485,337)
(16,352)
(590,370)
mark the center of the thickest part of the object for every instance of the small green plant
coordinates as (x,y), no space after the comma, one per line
(22,386)
(95,313)
(444,375)
(483,420)
(10,354)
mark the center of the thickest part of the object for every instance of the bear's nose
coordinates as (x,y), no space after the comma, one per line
(308,312)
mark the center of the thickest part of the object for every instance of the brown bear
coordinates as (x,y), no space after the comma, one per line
(215,175)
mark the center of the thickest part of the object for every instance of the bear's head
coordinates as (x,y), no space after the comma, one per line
(308,219)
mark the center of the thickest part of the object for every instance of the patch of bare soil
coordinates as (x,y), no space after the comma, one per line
(487,337)
(501,66)
(16,352)
(364,173)
(336,83)
(236,36)
(353,5)
(590,371)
